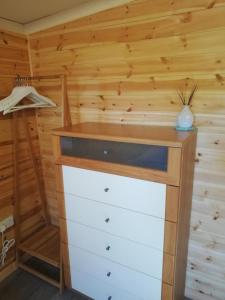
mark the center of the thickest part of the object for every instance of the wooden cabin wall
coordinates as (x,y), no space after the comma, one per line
(14,60)
(126,65)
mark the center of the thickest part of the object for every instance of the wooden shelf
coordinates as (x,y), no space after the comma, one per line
(141,134)
(44,244)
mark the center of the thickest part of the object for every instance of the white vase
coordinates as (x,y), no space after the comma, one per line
(185,118)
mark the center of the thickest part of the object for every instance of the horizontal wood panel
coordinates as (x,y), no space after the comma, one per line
(125,65)
(139,29)
(136,10)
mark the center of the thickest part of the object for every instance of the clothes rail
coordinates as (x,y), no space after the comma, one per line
(24,77)
(66,117)
(48,234)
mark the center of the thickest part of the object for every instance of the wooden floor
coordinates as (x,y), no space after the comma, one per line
(24,286)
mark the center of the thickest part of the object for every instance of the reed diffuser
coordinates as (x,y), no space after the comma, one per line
(185,118)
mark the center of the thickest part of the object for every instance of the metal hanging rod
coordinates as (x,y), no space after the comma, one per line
(27,78)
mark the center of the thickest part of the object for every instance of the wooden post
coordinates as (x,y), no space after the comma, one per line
(66,116)
(16,195)
(37,173)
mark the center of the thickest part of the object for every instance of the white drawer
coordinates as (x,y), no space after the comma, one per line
(135,283)
(135,194)
(96,289)
(120,222)
(125,252)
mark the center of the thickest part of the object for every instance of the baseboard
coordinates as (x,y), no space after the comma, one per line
(8,270)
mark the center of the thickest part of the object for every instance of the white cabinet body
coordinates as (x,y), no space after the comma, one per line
(115,228)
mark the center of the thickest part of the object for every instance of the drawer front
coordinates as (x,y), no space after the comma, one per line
(135,283)
(135,194)
(125,252)
(137,155)
(96,289)
(120,222)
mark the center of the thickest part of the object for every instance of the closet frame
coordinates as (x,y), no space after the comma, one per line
(43,243)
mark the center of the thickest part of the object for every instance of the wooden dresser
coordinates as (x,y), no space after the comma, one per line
(125,195)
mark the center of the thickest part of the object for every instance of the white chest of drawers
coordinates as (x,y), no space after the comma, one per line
(121,223)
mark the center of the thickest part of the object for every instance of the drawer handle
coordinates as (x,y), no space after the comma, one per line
(110,298)
(108,274)
(107,220)
(107,248)
(106,152)
(106,190)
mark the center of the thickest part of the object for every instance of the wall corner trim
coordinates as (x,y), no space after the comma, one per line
(11,26)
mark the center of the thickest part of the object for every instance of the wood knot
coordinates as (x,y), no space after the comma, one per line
(128,48)
(193,266)
(164,60)
(60,46)
(216,216)
(186,18)
(184,41)
(211,4)
(195,227)
(209,258)
(206,193)
(220,78)
(149,36)
(129,74)
(152,79)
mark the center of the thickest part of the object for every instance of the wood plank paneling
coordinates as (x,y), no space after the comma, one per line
(125,65)
(14,59)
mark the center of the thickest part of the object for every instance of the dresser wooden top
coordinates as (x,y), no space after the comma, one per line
(142,134)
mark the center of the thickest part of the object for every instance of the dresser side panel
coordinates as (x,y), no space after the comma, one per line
(185,204)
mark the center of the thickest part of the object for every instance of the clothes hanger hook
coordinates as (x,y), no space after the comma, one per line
(18,80)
